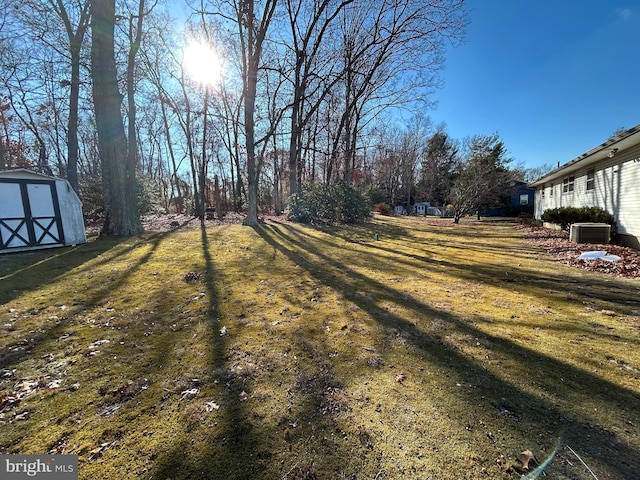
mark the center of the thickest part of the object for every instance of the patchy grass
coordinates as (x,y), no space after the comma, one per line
(293,352)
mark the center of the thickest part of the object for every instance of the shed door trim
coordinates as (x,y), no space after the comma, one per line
(42,228)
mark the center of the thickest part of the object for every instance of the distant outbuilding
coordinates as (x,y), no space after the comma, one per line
(38,211)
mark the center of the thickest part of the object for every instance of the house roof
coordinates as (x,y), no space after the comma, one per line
(626,139)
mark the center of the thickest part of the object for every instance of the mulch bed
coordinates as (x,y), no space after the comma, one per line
(557,244)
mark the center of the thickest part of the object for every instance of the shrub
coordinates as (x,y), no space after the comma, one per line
(298,209)
(525,218)
(565,216)
(149,195)
(383,209)
(92,199)
(321,203)
(375,194)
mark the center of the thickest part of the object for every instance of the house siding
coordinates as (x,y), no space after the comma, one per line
(616,189)
(629,207)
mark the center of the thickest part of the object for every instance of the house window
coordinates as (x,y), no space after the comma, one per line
(524,199)
(567,184)
(591,180)
(551,190)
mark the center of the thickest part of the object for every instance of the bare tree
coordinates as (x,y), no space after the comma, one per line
(75,37)
(51,33)
(387,168)
(156,66)
(533,173)
(253,24)
(134,34)
(28,100)
(411,150)
(391,50)
(4,104)
(313,75)
(27,67)
(231,111)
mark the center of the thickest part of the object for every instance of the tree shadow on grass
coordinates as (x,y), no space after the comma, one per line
(32,272)
(141,347)
(25,271)
(577,287)
(537,411)
(234,447)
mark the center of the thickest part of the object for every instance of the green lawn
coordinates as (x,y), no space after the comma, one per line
(291,352)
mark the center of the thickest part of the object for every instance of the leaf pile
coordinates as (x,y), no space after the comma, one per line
(556,243)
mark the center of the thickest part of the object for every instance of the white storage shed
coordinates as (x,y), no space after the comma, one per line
(38,211)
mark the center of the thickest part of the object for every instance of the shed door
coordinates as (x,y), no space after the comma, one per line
(29,214)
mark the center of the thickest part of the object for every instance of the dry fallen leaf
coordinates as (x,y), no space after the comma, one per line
(401,377)
(21,416)
(100,449)
(191,277)
(524,459)
(556,243)
(189,393)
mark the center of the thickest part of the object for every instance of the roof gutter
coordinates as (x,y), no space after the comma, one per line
(609,148)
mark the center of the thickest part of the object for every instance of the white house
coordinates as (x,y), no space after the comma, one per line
(38,211)
(607,176)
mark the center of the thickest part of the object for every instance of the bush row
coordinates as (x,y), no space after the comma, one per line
(322,203)
(565,216)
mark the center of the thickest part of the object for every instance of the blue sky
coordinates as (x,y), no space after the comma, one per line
(554,78)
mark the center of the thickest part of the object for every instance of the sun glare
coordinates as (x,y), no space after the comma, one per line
(202,63)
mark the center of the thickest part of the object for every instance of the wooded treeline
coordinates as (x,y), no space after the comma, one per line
(307,91)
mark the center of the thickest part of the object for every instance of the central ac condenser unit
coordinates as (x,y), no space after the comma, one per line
(590,233)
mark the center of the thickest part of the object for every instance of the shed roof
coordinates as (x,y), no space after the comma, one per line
(25,173)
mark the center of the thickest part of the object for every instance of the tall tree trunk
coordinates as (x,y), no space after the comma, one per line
(347,126)
(219,212)
(296,131)
(72,124)
(252,32)
(294,146)
(112,142)
(186,126)
(277,179)
(43,162)
(202,174)
(174,175)
(75,44)
(252,167)
(3,156)
(4,138)
(132,144)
